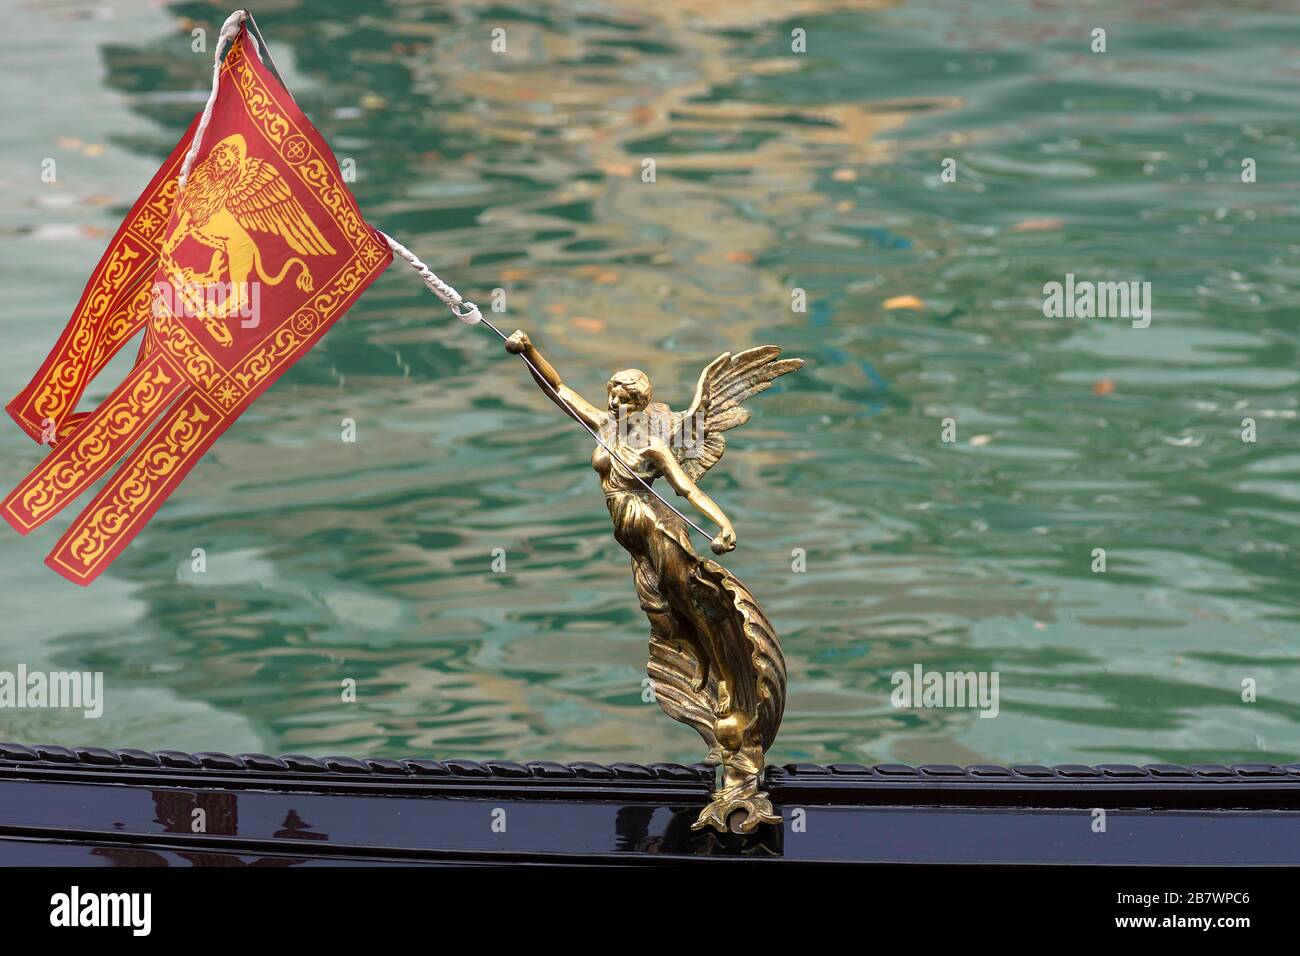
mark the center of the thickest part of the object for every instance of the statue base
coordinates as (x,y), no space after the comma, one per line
(739,808)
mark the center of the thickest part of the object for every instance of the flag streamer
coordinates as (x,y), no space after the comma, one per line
(232,279)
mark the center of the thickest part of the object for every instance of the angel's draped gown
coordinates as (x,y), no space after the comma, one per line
(714,656)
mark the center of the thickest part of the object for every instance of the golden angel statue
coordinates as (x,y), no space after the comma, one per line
(715,660)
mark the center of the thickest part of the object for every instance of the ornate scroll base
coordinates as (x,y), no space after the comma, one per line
(737,810)
(738,806)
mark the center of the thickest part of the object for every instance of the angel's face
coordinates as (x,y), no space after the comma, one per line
(629,390)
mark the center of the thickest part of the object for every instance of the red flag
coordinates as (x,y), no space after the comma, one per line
(264,250)
(113,308)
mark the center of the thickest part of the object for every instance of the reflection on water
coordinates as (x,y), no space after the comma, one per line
(371,561)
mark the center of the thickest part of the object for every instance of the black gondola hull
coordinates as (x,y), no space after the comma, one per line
(88,806)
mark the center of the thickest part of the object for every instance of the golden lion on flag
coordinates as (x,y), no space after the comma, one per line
(228,194)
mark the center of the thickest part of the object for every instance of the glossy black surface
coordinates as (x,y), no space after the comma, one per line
(61,806)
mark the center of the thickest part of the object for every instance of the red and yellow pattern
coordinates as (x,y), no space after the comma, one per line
(103,437)
(265,203)
(137,489)
(114,306)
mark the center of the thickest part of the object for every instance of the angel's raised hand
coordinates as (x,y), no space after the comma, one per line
(518,342)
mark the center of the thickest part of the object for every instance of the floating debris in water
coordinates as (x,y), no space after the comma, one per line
(1038,225)
(903,302)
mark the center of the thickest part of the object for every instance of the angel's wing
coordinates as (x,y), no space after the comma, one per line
(262,200)
(728,380)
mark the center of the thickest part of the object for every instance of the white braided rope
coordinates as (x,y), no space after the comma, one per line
(467,312)
(229,30)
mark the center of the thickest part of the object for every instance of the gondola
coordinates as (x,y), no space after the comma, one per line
(88,806)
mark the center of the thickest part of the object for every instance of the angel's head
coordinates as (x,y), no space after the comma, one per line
(629,389)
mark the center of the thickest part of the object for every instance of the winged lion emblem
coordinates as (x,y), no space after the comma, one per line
(229,196)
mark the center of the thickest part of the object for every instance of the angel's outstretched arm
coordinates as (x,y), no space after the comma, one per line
(685,486)
(545,375)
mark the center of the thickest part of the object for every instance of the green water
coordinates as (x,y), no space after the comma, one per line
(329,561)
